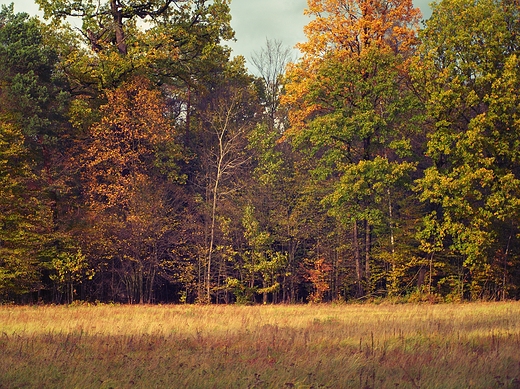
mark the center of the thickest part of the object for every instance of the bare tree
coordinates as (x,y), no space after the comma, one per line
(227,123)
(271,62)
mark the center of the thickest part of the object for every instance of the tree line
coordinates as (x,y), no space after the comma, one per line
(141,163)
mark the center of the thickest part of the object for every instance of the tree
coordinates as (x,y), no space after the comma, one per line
(177,50)
(126,186)
(20,228)
(69,270)
(227,116)
(467,67)
(176,42)
(31,121)
(106,23)
(351,108)
(275,189)
(271,62)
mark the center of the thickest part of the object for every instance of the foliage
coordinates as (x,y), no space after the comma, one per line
(141,163)
(356,129)
(127,203)
(471,77)
(70,269)
(31,123)
(20,228)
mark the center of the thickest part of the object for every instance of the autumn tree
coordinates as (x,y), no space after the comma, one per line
(172,44)
(351,109)
(467,67)
(19,228)
(128,166)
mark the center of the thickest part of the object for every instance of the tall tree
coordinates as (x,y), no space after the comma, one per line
(20,228)
(107,22)
(175,36)
(126,187)
(275,188)
(467,65)
(32,105)
(227,115)
(270,63)
(350,107)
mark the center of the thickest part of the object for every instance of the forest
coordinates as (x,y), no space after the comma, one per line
(140,162)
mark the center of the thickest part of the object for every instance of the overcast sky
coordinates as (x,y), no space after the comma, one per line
(254,21)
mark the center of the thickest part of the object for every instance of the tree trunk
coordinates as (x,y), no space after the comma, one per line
(368,248)
(141,285)
(357,259)
(391,225)
(213,217)
(117,15)
(149,295)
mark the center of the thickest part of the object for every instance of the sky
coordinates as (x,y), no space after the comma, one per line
(254,21)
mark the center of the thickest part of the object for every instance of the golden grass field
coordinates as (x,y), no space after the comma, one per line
(473,345)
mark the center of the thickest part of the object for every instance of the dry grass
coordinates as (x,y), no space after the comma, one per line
(312,346)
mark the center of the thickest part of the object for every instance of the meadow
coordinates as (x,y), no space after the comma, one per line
(473,345)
